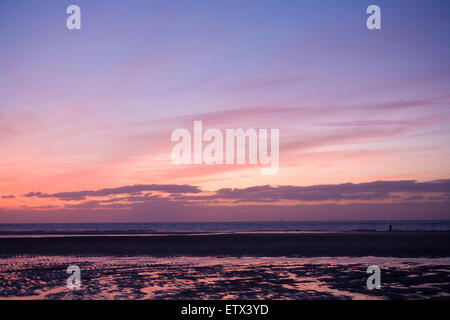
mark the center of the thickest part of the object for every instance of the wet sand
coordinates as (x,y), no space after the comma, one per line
(174,278)
(350,244)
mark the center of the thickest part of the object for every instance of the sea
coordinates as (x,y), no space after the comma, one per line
(256,226)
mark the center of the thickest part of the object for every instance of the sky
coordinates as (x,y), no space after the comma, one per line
(86,115)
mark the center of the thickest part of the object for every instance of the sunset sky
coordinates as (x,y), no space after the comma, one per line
(86,115)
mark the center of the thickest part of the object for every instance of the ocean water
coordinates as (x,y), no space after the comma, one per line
(271,226)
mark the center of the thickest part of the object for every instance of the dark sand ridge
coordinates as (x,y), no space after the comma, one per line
(352,244)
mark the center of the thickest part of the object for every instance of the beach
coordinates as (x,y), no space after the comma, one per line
(198,266)
(223,278)
(332,244)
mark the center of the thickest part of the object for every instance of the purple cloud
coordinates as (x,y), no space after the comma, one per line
(371,191)
(81,195)
(378,190)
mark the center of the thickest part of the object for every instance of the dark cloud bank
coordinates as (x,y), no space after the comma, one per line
(349,201)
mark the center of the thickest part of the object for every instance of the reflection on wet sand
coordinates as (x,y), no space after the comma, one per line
(44,277)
